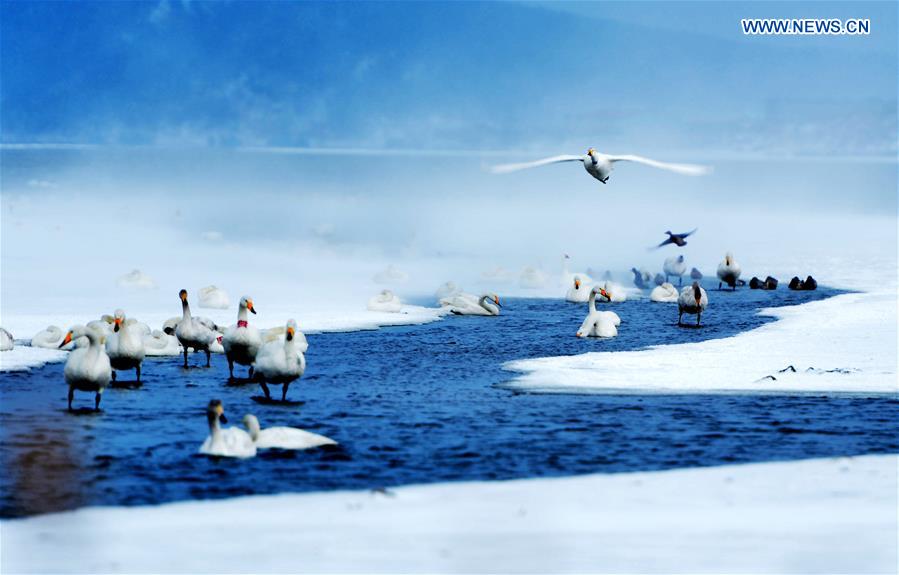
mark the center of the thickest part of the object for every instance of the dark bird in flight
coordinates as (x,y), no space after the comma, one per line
(680,240)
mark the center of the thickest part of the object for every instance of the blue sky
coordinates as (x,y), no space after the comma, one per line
(531,76)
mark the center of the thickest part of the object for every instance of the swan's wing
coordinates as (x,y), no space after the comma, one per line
(688,234)
(506,168)
(686,169)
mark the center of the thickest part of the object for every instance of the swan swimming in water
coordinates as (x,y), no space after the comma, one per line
(599,323)
(87,367)
(241,342)
(6,340)
(579,292)
(192,332)
(600,165)
(675,266)
(213,297)
(468,304)
(692,300)
(159,343)
(283,437)
(729,271)
(125,345)
(280,363)
(386,301)
(665,293)
(225,442)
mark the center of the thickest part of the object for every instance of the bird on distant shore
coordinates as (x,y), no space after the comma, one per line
(600,165)
(680,240)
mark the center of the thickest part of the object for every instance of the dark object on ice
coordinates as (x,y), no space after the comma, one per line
(810,284)
(638,278)
(695,274)
(680,240)
(771,377)
(770,283)
(788,368)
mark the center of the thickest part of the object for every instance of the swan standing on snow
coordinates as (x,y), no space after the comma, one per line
(227,442)
(87,367)
(675,266)
(385,301)
(213,297)
(280,363)
(579,292)
(599,323)
(6,340)
(665,293)
(283,437)
(125,346)
(467,304)
(242,341)
(692,300)
(600,165)
(192,332)
(158,343)
(729,271)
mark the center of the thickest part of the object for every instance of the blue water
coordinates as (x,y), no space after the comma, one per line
(418,404)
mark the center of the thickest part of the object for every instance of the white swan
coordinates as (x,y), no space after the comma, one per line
(675,266)
(6,340)
(599,323)
(159,343)
(385,301)
(241,342)
(283,437)
(213,297)
(280,363)
(729,271)
(125,345)
(693,300)
(136,279)
(616,292)
(49,338)
(193,332)
(227,442)
(448,289)
(579,292)
(468,304)
(600,165)
(665,293)
(87,367)
(280,333)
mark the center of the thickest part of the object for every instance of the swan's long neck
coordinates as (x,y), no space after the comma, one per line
(242,315)
(592,303)
(185,310)
(253,428)
(487,304)
(214,427)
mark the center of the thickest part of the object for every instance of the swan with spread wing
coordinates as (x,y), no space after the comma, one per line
(600,165)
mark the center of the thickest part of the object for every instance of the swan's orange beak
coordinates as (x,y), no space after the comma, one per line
(577,284)
(183,295)
(605,294)
(250,306)
(118,324)
(591,151)
(496,300)
(290,333)
(66,340)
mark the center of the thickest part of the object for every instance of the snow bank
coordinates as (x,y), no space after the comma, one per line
(22,357)
(825,515)
(842,344)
